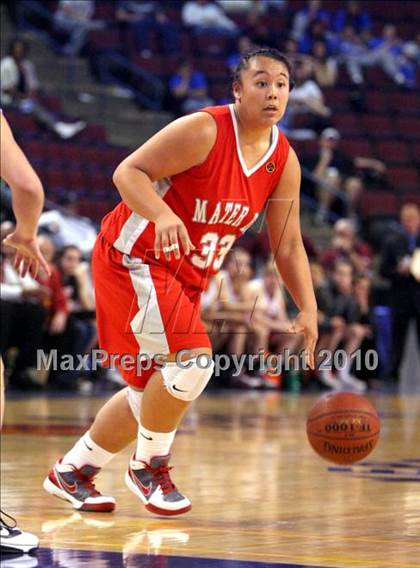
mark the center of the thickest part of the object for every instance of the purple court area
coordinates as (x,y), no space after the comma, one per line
(66,558)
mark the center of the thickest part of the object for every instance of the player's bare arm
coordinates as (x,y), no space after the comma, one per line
(184,143)
(27,201)
(289,253)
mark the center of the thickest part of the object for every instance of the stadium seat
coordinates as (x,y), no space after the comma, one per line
(378,126)
(356,147)
(403,178)
(378,203)
(392,152)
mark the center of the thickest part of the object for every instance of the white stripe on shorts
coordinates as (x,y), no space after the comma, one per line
(147,324)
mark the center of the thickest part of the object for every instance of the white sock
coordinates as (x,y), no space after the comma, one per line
(151,444)
(86,451)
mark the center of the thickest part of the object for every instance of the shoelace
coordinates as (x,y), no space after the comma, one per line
(5,523)
(86,481)
(161,474)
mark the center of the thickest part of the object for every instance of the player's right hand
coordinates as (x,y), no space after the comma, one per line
(28,257)
(169,229)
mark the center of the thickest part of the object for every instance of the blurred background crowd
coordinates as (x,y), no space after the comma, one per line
(84,82)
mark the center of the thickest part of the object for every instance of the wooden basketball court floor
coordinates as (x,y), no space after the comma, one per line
(261,497)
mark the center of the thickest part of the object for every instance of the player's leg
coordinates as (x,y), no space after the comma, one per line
(12,539)
(167,396)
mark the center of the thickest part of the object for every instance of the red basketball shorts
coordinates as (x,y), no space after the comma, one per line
(142,311)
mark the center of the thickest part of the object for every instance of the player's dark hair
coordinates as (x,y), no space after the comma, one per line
(270,52)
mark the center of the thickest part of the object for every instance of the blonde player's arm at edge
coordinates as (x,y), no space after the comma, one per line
(27,202)
(182,144)
(289,253)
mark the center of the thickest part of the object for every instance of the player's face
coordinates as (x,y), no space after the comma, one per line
(263,91)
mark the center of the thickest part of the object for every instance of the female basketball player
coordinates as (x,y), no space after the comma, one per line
(187,194)
(27,200)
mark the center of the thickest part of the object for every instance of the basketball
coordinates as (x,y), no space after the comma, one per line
(343,428)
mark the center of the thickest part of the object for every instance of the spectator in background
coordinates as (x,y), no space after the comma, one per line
(65,227)
(20,90)
(138,20)
(408,64)
(345,246)
(396,265)
(328,191)
(22,318)
(270,320)
(303,19)
(330,155)
(362,294)
(242,6)
(78,288)
(324,67)
(352,15)
(384,51)
(205,16)
(353,189)
(306,101)
(260,32)
(188,90)
(75,18)
(243,45)
(347,331)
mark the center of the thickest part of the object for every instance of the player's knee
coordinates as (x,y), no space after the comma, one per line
(186,380)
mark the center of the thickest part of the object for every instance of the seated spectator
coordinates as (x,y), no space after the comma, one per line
(75,17)
(24,304)
(20,90)
(408,64)
(236,310)
(396,265)
(139,20)
(352,15)
(242,6)
(66,227)
(328,191)
(260,32)
(313,12)
(243,45)
(271,323)
(188,90)
(202,15)
(337,197)
(362,294)
(324,67)
(305,100)
(353,189)
(383,51)
(345,246)
(78,288)
(345,330)
(330,156)
(317,31)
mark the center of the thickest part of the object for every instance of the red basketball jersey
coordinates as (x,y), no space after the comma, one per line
(217,200)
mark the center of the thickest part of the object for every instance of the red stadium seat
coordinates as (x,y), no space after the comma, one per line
(347,124)
(356,147)
(404,103)
(403,178)
(337,99)
(408,128)
(376,101)
(393,152)
(378,126)
(378,203)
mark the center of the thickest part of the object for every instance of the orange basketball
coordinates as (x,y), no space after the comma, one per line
(343,427)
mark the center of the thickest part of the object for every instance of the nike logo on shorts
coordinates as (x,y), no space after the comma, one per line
(177,389)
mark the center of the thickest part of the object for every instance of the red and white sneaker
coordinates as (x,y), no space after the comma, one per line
(153,485)
(77,487)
